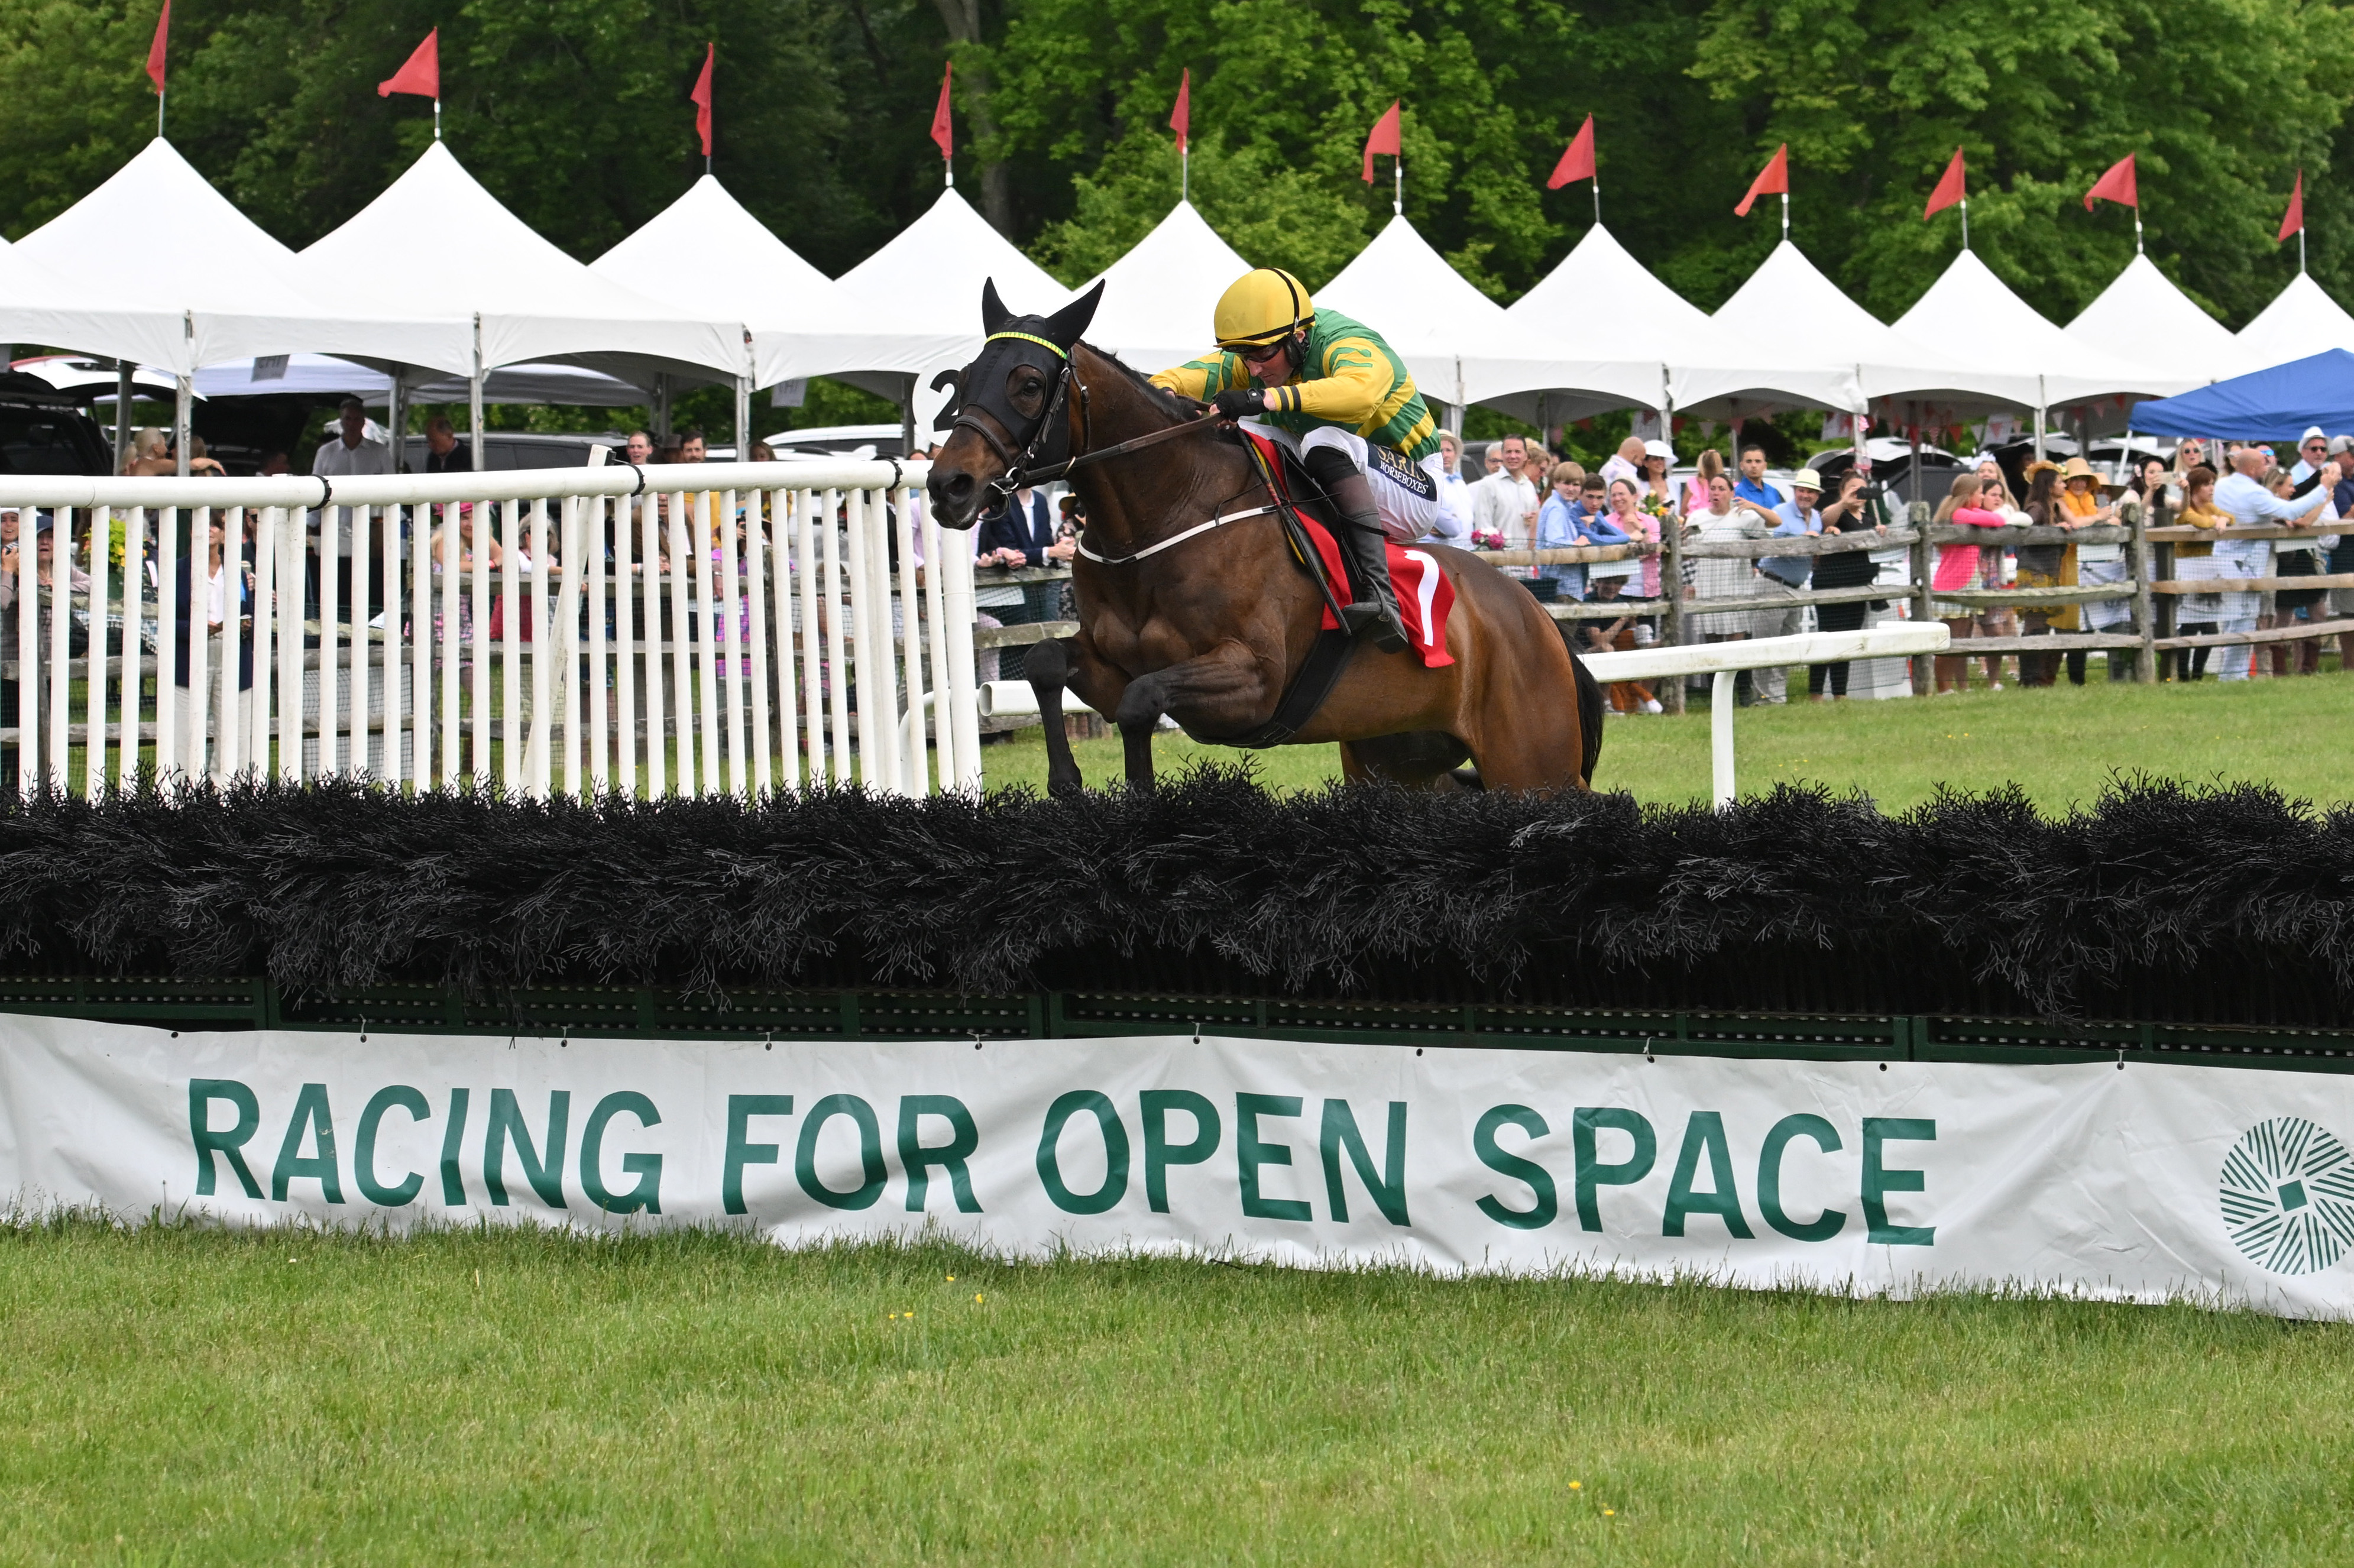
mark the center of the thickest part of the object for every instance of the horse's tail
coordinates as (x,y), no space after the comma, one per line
(1589,702)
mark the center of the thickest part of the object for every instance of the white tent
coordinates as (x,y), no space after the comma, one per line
(927,280)
(157,242)
(2300,321)
(321,375)
(437,246)
(1609,335)
(705,247)
(1452,337)
(2142,315)
(1800,317)
(1158,299)
(1969,308)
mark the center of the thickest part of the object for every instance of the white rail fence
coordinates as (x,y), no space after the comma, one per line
(729,628)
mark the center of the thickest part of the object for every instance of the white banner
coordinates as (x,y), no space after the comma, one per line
(2149,1183)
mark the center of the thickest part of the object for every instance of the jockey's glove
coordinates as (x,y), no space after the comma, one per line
(1240,403)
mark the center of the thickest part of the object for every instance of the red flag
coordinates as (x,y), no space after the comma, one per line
(943,127)
(2116,185)
(422,73)
(701,98)
(1181,119)
(1577,163)
(1953,188)
(155,50)
(1773,179)
(1384,139)
(2294,222)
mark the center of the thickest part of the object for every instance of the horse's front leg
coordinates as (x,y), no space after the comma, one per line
(1222,691)
(1050,667)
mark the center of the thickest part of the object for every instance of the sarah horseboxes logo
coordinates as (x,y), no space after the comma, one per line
(2287,1192)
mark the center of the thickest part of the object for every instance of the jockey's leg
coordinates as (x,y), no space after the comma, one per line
(1335,459)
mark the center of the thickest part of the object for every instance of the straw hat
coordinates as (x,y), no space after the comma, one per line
(2077,468)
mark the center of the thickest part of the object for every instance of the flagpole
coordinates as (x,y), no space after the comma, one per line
(2300,250)
(159,115)
(437,117)
(1786,215)
(2138,228)
(1965,223)
(1598,201)
(1397,172)
(1184,174)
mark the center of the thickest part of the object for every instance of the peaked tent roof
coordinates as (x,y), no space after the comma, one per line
(2275,404)
(41,305)
(1968,305)
(705,246)
(435,245)
(927,280)
(2142,315)
(1619,334)
(1452,337)
(1158,298)
(156,237)
(2299,317)
(1799,316)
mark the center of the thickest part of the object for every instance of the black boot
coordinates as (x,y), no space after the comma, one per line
(1373,611)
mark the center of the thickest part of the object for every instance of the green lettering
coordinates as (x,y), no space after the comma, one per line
(916,1157)
(646,1196)
(1387,1190)
(364,1146)
(1540,1180)
(1823,1227)
(741,1109)
(870,1152)
(1704,1133)
(1878,1182)
(1250,1154)
(505,1122)
(230,1141)
(1591,1172)
(310,1116)
(453,1185)
(1050,1164)
(1159,1154)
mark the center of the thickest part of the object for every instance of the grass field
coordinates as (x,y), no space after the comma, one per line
(189,1396)
(2061,743)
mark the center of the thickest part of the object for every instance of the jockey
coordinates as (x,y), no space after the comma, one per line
(1360,425)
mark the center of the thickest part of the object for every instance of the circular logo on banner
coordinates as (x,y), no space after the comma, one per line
(2287,1192)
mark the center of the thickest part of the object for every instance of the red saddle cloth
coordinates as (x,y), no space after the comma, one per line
(1425,594)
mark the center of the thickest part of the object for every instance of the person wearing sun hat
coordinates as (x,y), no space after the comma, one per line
(2044,565)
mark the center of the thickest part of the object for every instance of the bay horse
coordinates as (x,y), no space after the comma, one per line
(1209,628)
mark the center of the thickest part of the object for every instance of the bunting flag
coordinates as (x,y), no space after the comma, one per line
(155,50)
(1773,179)
(2116,185)
(944,128)
(2294,222)
(422,75)
(1951,189)
(701,98)
(1577,163)
(1180,119)
(1381,141)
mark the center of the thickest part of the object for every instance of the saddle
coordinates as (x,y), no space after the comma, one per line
(1424,596)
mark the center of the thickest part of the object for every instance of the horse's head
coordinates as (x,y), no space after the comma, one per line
(1009,413)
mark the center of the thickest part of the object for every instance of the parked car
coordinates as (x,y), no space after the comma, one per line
(840,441)
(41,430)
(528,449)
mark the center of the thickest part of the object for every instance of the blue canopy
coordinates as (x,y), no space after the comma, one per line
(2275,405)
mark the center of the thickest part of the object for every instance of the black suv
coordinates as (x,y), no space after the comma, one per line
(41,430)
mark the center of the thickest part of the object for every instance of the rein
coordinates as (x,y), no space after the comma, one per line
(1088,460)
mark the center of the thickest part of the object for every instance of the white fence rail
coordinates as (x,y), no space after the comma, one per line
(726,628)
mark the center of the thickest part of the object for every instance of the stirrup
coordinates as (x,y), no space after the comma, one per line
(1377,626)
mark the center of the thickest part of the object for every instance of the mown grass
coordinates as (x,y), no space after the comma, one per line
(2060,743)
(173,1394)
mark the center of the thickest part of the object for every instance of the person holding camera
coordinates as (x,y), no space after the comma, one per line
(1861,507)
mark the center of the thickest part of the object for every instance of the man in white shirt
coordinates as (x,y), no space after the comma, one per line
(349,452)
(1504,504)
(1627,465)
(2241,493)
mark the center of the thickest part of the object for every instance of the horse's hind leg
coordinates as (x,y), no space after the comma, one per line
(1047,667)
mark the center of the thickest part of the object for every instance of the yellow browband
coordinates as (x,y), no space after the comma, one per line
(1027,337)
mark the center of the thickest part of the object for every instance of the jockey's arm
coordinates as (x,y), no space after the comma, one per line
(1356,381)
(1203,379)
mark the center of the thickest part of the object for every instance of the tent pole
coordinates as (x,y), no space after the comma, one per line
(182,412)
(396,424)
(661,407)
(907,419)
(475,402)
(743,418)
(121,415)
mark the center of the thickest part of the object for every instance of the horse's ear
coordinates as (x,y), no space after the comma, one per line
(993,313)
(1067,326)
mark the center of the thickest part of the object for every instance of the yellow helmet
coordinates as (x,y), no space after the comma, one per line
(1263,306)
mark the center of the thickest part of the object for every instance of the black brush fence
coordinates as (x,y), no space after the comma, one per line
(2162,917)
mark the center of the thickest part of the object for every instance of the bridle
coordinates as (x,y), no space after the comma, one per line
(1050,436)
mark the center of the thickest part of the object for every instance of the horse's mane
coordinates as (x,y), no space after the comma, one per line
(1169,402)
